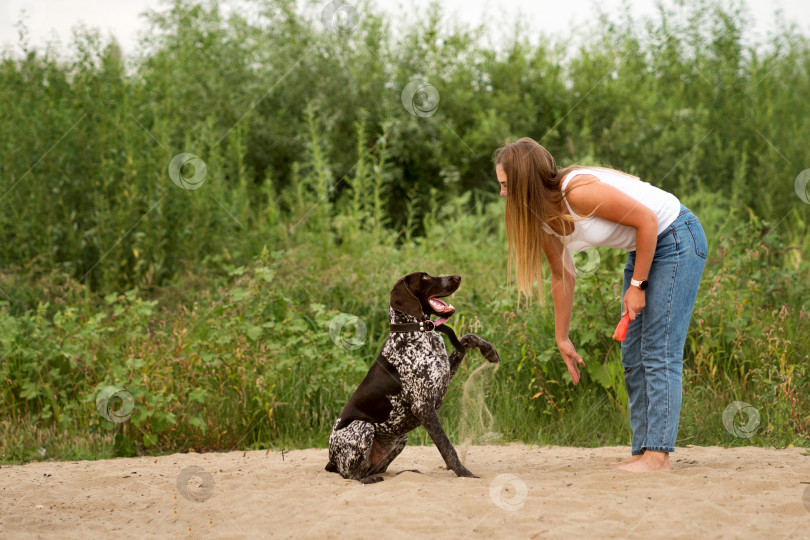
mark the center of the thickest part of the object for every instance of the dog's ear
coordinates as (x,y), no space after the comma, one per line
(403,298)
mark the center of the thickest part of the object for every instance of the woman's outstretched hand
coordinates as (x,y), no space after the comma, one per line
(572,359)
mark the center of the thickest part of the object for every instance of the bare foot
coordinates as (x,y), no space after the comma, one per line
(632,459)
(650,460)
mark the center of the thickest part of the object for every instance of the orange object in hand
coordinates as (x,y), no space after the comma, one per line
(621,330)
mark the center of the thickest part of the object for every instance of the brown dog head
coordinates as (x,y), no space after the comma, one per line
(419,294)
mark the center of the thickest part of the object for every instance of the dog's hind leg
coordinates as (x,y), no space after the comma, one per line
(371,479)
(393,452)
(350,450)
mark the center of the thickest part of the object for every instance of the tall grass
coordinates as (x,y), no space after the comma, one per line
(212,306)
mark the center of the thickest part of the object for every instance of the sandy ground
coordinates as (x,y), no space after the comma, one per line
(522,492)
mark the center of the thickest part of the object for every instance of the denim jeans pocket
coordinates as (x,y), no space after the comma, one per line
(699,236)
(667,244)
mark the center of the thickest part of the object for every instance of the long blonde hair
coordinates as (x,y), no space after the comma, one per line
(533,197)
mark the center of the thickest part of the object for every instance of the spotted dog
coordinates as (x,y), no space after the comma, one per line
(406,384)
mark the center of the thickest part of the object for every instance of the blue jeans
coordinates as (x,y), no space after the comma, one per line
(652,352)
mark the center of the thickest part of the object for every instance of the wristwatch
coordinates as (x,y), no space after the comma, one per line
(640,284)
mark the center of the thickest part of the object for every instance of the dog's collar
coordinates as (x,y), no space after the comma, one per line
(422,326)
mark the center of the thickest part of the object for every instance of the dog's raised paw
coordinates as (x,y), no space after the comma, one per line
(492,355)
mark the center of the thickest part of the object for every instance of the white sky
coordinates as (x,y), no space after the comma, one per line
(54,19)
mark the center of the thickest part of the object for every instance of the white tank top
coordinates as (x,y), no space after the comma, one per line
(595,231)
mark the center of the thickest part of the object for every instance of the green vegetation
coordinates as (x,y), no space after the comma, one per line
(212,306)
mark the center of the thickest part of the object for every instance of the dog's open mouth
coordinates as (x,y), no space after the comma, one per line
(440,306)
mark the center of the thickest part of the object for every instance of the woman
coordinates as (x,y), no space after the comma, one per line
(559,211)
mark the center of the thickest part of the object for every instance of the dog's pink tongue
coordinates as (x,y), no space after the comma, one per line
(443,320)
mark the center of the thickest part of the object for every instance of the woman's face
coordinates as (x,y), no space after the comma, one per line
(501,179)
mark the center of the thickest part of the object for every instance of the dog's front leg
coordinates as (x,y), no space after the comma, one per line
(426,413)
(468,341)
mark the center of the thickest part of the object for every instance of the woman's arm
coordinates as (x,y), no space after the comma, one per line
(562,291)
(562,285)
